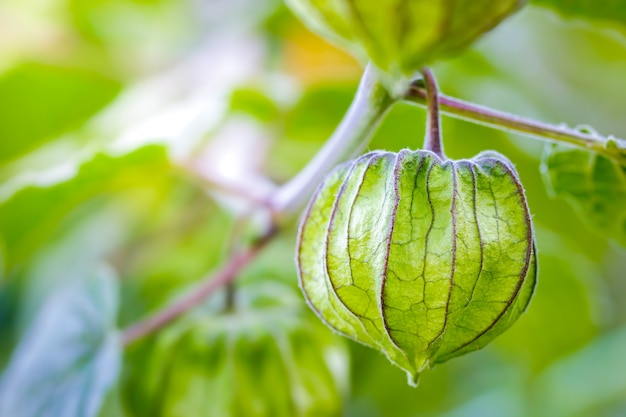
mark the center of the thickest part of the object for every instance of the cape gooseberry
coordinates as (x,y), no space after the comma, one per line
(418,256)
(264,357)
(401,36)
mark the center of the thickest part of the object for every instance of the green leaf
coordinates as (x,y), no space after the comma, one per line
(255,102)
(594,184)
(30,216)
(422,258)
(567,311)
(608,10)
(266,357)
(69,359)
(39,102)
(186,238)
(306,128)
(586,381)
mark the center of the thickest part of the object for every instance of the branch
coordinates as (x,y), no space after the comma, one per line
(611,147)
(352,135)
(251,193)
(369,106)
(222,277)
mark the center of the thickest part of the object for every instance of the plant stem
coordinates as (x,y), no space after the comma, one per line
(352,135)
(433,141)
(512,123)
(222,277)
(249,194)
(369,106)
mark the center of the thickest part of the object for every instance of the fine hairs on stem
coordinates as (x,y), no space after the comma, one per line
(432,141)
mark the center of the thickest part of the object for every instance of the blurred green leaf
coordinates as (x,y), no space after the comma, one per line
(306,127)
(381,391)
(86,15)
(594,184)
(2,260)
(69,358)
(32,215)
(584,382)
(40,101)
(265,267)
(562,316)
(9,302)
(188,236)
(255,102)
(609,10)
(266,357)
(112,406)
(90,236)
(501,401)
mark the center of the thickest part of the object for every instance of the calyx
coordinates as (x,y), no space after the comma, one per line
(421,257)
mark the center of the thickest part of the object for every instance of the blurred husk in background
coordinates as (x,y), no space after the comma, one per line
(400,38)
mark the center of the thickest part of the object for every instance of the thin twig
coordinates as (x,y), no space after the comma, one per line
(614,148)
(205,179)
(215,281)
(369,106)
(349,139)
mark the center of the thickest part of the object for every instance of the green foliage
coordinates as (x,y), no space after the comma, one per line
(401,37)
(23,230)
(594,184)
(174,249)
(559,391)
(420,258)
(69,358)
(305,127)
(39,102)
(254,102)
(87,17)
(264,356)
(607,10)
(569,306)
(163,226)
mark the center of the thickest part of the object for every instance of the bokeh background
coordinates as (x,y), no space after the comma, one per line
(124,123)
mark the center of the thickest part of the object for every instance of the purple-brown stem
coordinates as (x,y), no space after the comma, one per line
(475,113)
(222,277)
(369,106)
(433,141)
